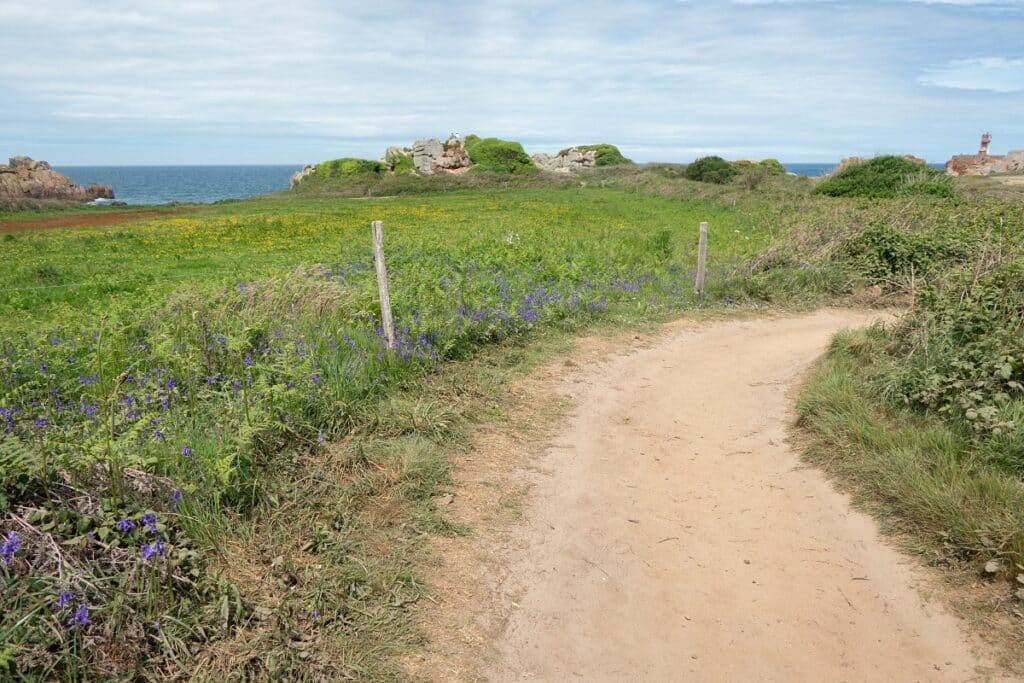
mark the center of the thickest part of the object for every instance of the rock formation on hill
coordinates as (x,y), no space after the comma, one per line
(24,177)
(984,163)
(430,156)
(566,161)
(299,176)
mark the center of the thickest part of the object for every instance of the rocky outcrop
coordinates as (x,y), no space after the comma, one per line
(984,163)
(566,161)
(299,176)
(430,156)
(23,177)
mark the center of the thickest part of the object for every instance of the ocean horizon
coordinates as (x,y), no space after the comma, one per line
(205,184)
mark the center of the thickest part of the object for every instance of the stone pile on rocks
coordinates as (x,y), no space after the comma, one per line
(23,177)
(566,161)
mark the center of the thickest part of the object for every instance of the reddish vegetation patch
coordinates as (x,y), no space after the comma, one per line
(78,220)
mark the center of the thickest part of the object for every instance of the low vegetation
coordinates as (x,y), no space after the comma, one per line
(348,167)
(887,176)
(711,170)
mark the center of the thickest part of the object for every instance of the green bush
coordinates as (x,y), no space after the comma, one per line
(886,176)
(884,253)
(502,156)
(348,166)
(711,170)
(773,166)
(402,164)
(606,155)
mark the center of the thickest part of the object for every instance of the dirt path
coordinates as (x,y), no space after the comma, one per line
(670,533)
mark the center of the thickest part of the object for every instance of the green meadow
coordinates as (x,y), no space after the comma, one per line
(214,465)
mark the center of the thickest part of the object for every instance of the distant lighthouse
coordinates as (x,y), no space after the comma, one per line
(985,140)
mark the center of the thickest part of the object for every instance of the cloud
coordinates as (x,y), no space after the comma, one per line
(260,80)
(996,74)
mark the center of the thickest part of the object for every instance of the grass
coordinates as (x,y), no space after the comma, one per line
(225,372)
(926,477)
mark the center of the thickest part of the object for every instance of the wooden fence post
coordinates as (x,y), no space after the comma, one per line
(702,257)
(382,283)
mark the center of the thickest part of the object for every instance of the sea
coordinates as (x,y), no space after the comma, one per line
(207,184)
(192,184)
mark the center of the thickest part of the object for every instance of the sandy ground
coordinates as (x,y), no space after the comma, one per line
(670,533)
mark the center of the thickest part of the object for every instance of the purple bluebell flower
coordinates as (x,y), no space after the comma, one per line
(186,452)
(149,520)
(10,546)
(158,434)
(247,361)
(315,378)
(175,498)
(64,599)
(89,409)
(316,613)
(91,379)
(41,422)
(80,617)
(148,550)
(124,525)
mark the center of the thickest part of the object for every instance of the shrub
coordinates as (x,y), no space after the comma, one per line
(348,166)
(886,176)
(502,156)
(711,170)
(401,164)
(884,253)
(773,166)
(606,155)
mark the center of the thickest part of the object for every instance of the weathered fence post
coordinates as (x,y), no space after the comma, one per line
(702,257)
(382,283)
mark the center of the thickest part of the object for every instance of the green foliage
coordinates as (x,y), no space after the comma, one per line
(402,164)
(606,155)
(711,169)
(499,156)
(889,256)
(773,166)
(348,167)
(886,176)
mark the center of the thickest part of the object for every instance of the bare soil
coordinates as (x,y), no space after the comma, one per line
(668,531)
(81,220)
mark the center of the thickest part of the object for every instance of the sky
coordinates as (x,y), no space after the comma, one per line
(204,82)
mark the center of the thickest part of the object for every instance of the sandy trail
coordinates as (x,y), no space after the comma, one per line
(672,534)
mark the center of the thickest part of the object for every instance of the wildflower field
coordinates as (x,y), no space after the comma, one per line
(212,465)
(158,379)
